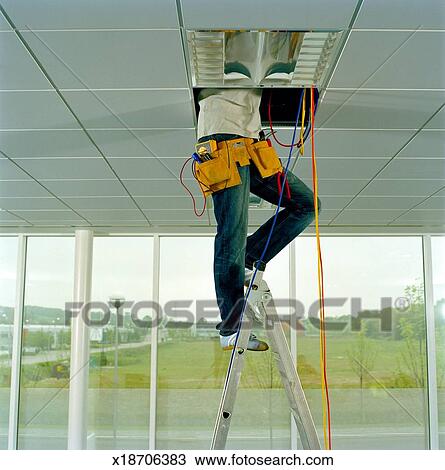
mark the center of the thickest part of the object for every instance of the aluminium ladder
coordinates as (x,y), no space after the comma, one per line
(260,307)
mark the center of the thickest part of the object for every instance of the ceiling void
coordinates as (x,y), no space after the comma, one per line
(237,59)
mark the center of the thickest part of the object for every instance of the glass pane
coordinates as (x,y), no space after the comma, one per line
(119,380)
(192,366)
(376,366)
(44,384)
(438,254)
(8,268)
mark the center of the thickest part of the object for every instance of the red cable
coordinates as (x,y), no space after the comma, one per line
(191,195)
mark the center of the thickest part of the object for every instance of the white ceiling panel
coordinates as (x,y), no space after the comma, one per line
(18,69)
(334,202)
(119,202)
(61,223)
(418,64)
(378,109)
(66,168)
(9,171)
(402,14)
(87,14)
(332,101)
(111,59)
(365,217)
(132,108)
(363,54)
(360,168)
(114,215)
(430,217)
(181,223)
(25,189)
(433,203)
(352,143)
(24,203)
(172,214)
(426,168)
(47,215)
(258,14)
(438,121)
(6,217)
(34,110)
(169,202)
(166,187)
(384,202)
(426,144)
(146,168)
(47,143)
(402,187)
(337,187)
(85,188)
(442,192)
(164,143)
(4,26)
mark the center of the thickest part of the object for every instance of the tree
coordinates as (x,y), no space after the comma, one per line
(362,354)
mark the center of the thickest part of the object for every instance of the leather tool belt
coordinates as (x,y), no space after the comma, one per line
(221,171)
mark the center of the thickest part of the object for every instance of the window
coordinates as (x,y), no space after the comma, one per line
(119,380)
(376,371)
(192,366)
(43,409)
(438,256)
(8,267)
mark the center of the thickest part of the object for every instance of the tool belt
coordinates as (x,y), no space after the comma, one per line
(221,171)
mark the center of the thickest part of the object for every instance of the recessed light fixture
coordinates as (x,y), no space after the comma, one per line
(232,58)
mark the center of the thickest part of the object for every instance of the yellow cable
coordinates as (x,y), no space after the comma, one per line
(303,115)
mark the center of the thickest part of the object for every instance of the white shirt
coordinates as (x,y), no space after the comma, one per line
(229,111)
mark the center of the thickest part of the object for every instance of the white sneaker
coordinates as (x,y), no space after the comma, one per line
(254,344)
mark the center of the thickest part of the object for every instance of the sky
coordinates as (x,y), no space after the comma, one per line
(366,267)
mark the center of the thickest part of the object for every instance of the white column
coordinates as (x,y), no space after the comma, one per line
(293,331)
(154,347)
(78,396)
(433,419)
(17,343)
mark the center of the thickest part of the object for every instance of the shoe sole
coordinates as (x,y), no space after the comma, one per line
(230,348)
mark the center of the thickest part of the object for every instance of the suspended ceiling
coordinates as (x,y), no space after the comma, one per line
(96,117)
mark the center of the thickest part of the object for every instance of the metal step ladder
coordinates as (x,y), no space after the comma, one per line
(260,308)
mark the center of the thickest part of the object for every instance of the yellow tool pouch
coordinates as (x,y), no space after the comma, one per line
(221,171)
(265,158)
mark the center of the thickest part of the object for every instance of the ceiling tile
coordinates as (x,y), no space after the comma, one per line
(34,110)
(112,216)
(332,101)
(180,223)
(132,108)
(163,142)
(442,192)
(401,14)
(334,202)
(51,215)
(80,203)
(170,202)
(18,69)
(379,109)
(66,168)
(365,217)
(352,143)
(438,121)
(71,223)
(73,188)
(28,203)
(418,64)
(146,168)
(431,217)
(24,189)
(165,187)
(85,14)
(426,144)
(9,171)
(254,14)
(4,26)
(337,187)
(363,54)
(386,202)
(426,168)
(348,168)
(8,217)
(402,187)
(433,203)
(45,143)
(137,53)
(171,214)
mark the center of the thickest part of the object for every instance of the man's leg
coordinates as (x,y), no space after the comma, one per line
(231,211)
(296,215)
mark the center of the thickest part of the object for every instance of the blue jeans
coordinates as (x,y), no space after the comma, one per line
(234,250)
